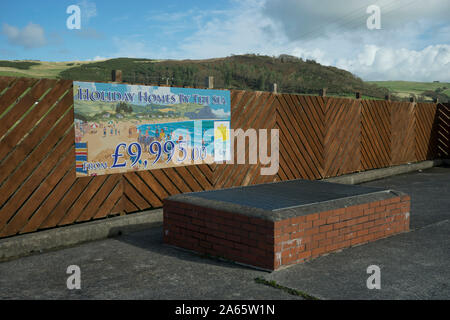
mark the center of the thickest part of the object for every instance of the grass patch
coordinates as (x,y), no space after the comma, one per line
(22,65)
(291,291)
(405,88)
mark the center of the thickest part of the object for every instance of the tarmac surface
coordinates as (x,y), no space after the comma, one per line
(414,265)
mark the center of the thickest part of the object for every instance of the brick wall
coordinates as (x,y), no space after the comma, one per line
(272,244)
(306,237)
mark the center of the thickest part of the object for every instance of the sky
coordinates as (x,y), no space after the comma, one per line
(412,41)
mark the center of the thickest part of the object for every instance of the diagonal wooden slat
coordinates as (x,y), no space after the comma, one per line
(443,135)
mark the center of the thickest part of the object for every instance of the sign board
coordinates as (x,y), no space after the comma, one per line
(121,128)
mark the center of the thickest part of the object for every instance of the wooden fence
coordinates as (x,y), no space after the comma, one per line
(319,137)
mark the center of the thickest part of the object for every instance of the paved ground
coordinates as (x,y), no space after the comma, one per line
(413,265)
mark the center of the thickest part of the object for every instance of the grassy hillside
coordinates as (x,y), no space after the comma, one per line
(36,69)
(425,89)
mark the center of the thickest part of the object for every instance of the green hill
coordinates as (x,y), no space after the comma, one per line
(248,72)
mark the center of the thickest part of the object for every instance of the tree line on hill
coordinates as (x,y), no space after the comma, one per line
(245,72)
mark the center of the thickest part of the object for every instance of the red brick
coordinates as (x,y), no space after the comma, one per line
(288,245)
(258,222)
(248,227)
(318,251)
(233,237)
(350,236)
(362,219)
(325,242)
(212,225)
(312,245)
(297,220)
(278,231)
(357,227)
(374,204)
(240,217)
(352,222)
(282,223)
(312,217)
(325,228)
(362,232)
(290,228)
(304,255)
(333,219)
(297,234)
(393,206)
(339,225)
(312,231)
(338,212)
(346,216)
(325,214)
(332,247)
(282,238)
(319,222)
(356,241)
(395,200)
(305,225)
(332,234)
(319,236)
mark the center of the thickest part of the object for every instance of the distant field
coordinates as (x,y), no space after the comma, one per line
(405,88)
(41,70)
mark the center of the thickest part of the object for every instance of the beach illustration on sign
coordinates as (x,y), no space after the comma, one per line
(176,123)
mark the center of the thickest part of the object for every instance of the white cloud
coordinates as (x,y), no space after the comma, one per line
(381,63)
(412,44)
(220,113)
(31,36)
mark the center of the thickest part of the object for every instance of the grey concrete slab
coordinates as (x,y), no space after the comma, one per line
(132,266)
(285,194)
(413,265)
(429,190)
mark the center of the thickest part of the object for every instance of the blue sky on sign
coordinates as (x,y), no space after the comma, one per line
(412,44)
(218,100)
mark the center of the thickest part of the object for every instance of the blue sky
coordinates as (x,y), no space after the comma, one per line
(412,43)
(105,24)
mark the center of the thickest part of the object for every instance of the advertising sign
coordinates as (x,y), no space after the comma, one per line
(121,128)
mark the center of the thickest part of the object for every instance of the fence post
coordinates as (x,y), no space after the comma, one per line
(323,92)
(116,76)
(209,82)
(274,88)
